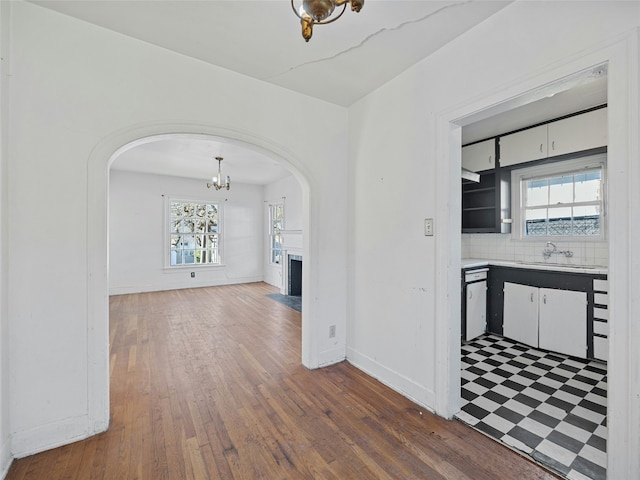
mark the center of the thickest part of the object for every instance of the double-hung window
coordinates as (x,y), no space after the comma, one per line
(564,199)
(276,225)
(194,233)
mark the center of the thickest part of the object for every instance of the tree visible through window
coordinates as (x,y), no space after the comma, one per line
(276,225)
(194,232)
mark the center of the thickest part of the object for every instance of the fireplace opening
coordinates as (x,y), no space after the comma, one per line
(295,275)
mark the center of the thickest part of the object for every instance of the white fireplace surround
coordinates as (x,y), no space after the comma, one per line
(286,254)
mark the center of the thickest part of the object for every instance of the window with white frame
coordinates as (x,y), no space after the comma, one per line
(194,233)
(564,199)
(276,225)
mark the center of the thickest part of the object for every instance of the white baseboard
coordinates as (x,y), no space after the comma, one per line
(331,357)
(125,290)
(52,435)
(394,380)
(5,458)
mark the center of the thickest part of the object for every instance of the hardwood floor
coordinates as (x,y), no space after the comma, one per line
(207,384)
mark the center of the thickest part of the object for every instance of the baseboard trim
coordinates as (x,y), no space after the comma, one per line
(5,458)
(392,379)
(52,435)
(126,290)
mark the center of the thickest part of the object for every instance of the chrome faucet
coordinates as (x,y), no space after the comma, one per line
(547,252)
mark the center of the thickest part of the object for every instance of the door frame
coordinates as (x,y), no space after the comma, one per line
(621,57)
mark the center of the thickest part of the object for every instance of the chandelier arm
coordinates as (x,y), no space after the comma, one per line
(293,7)
(344,7)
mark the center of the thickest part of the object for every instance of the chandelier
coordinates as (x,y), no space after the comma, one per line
(318,12)
(216,181)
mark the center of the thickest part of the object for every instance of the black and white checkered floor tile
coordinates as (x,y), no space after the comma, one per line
(546,405)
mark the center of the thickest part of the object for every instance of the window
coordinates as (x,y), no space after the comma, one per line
(276,225)
(564,199)
(194,232)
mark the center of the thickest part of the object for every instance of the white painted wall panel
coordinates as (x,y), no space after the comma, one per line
(76,98)
(136,233)
(395,279)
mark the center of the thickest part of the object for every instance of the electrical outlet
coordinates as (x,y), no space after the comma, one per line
(332,331)
(428,227)
(193,274)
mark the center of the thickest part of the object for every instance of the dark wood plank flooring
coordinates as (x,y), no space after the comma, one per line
(207,384)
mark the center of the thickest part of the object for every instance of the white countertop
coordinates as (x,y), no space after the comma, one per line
(556,267)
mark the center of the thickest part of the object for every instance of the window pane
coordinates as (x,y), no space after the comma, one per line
(561,190)
(193,233)
(568,204)
(201,210)
(588,186)
(560,221)
(537,193)
(536,222)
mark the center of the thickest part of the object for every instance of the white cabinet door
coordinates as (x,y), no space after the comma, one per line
(479,156)
(563,322)
(530,144)
(520,317)
(578,133)
(476,309)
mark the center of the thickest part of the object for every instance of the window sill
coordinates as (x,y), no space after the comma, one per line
(195,266)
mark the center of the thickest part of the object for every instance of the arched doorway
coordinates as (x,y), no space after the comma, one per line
(100,162)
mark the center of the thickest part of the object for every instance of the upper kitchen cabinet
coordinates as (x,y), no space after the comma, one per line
(479,156)
(524,146)
(569,135)
(577,133)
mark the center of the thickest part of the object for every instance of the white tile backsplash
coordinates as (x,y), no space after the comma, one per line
(500,246)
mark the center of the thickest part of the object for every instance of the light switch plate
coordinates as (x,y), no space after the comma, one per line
(428,227)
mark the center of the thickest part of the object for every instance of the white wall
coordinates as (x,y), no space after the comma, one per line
(136,229)
(5,450)
(79,93)
(286,190)
(399,279)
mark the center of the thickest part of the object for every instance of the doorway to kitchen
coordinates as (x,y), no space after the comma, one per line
(516,387)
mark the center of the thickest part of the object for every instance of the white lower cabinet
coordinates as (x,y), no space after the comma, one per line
(563,322)
(547,318)
(476,309)
(521,313)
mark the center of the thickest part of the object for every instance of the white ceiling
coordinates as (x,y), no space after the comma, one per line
(342,62)
(193,156)
(262,38)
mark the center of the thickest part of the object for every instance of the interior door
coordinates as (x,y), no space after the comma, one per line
(520,318)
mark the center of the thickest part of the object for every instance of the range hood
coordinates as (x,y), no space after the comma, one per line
(469,175)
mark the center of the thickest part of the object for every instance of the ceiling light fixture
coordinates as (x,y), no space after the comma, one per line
(217,180)
(318,12)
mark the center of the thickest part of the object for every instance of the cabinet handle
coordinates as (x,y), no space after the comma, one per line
(532,298)
(470,294)
(540,148)
(490,158)
(553,145)
(544,299)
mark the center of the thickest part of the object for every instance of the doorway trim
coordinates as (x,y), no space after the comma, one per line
(100,160)
(621,56)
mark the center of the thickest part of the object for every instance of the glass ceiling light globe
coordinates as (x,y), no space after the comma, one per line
(319,10)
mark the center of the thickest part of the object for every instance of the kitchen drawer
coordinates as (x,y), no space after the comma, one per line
(601,328)
(601,348)
(601,298)
(601,313)
(600,285)
(475,275)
